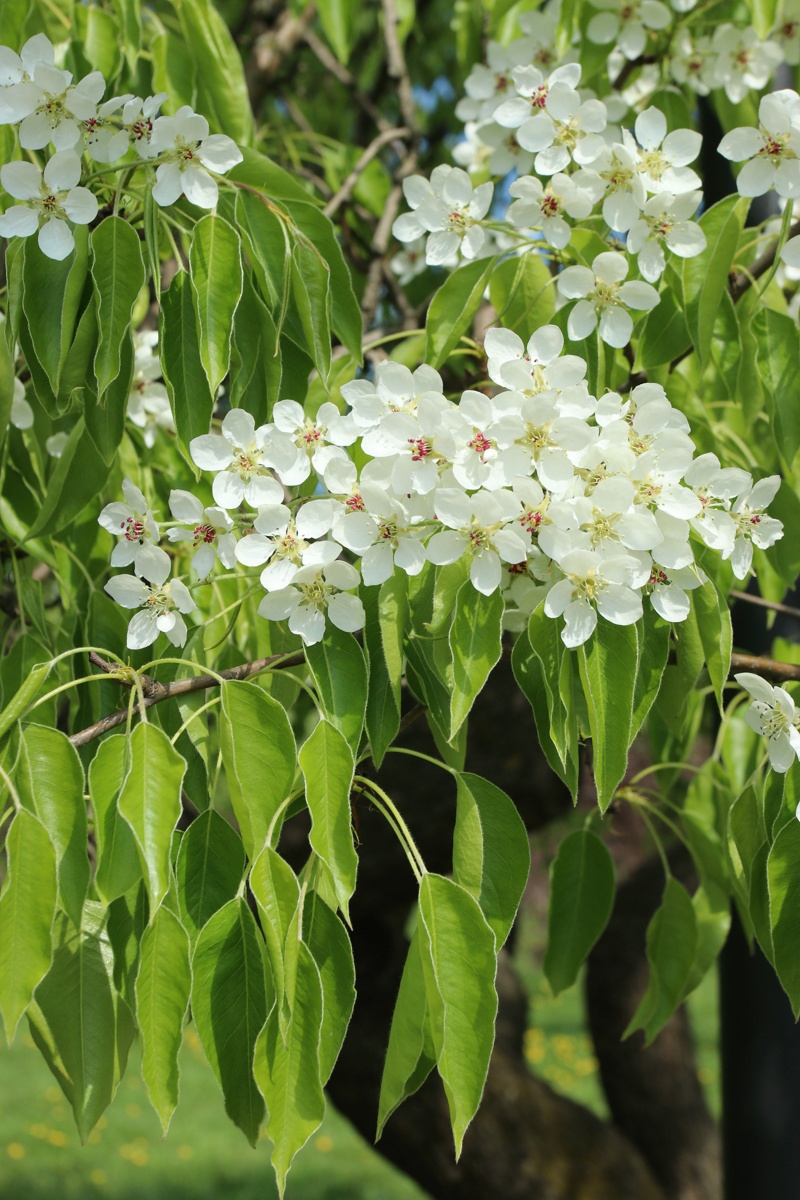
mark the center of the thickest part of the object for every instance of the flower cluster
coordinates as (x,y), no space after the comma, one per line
(774,716)
(548,492)
(51,110)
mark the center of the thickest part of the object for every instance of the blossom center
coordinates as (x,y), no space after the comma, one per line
(422,449)
(204,533)
(480,444)
(134,529)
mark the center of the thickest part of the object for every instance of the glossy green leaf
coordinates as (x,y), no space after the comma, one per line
(162,998)
(277,893)
(231,996)
(255,378)
(118,274)
(607,666)
(118,865)
(326,938)
(82,1027)
(713,914)
(475,637)
(671,948)
(778,342)
(50,785)
(459,965)
(652,635)
(716,635)
(105,416)
(383,708)
(522,291)
(764,15)
(346,318)
(208,870)
(411,1054)
(705,277)
(17,703)
(261,173)
(287,1068)
(190,397)
(78,475)
(783,881)
(259,753)
(338,19)
(491,855)
(221,87)
(27,909)
(327,763)
(51,300)
(6,387)
(582,883)
(453,307)
(215,262)
(340,677)
(532,681)
(664,334)
(311,295)
(150,801)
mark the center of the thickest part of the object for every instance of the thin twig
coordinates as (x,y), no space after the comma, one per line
(742,280)
(374,148)
(155,692)
(770,667)
(630,66)
(335,68)
(774,605)
(396,63)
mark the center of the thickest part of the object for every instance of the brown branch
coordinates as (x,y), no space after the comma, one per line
(155,692)
(335,68)
(272,48)
(396,64)
(630,66)
(773,605)
(379,246)
(769,667)
(742,280)
(374,148)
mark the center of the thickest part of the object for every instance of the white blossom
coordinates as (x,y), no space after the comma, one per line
(317,592)
(741,62)
(52,199)
(241,460)
(772,715)
(772,151)
(50,108)
(537,206)
(478,527)
(162,603)
(563,128)
(665,221)
(593,583)
(753,526)
(603,297)
(133,523)
(626,22)
(189,153)
(663,158)
(211,532)
(21,415)
(447,208)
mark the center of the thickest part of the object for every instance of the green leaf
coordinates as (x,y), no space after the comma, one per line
(259,753)
(221,87)
(582,883)
(713,913)
(346,317)
(705,277)
(78,476)
(338,19)
(491,855)
(208,871)
(118,274)
(277,894)
(17,704)
(311,295)
(411,1055)
(230,1001)
(783,881)
(118,865)
(287,1068)
(652,635)
(51,300)
(150,801)
(105,416)
(558,676)
(190,397)
(27,909)
(326,938)
(453,307)
(459,965)
(764,15)
(261,173)
(664,334)
(671,948)
(50,784)
(532,682)
(7,375)
(475,638)
(327,763)
(340,678)
(162,997)
(217,280)
(522,291)
(383,708)
(608,669)
(716,635)
(778,342)
(82,1027)
(255,378)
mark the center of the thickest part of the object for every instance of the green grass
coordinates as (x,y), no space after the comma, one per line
(41,1157)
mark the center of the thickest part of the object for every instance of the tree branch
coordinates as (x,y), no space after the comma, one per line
(335,68)
(769,667)
(374,148)
(773,605)
(396,64)
(155,692)
(742,280)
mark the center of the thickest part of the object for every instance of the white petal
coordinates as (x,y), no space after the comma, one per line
(55,239)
